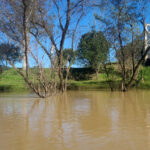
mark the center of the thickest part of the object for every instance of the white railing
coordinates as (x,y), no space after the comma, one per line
(147,39)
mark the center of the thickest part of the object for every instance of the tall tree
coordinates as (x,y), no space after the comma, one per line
(61,24)
(45,24)
(124,18)
(93,49)
(14,22)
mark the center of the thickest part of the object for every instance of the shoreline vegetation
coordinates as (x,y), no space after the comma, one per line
(84,79)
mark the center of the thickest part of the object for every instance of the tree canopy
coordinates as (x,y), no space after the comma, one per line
(9,52)
(93,49)
(68,55)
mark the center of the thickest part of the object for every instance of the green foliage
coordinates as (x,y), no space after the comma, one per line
(9,52)
(93,49)
(145,82)
(68,54)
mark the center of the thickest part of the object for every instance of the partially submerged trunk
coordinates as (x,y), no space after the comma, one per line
(97,70)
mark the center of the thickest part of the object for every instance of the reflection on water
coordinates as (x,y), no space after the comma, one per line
(85,120)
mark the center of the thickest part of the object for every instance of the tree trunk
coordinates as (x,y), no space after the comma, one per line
(123,87)
(66,79)
(61,83)
(96,74)
(24,63)
(25,36)
(60,71)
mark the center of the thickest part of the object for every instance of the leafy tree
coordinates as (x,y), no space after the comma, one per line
(93,49)
(68,56)
(9,52)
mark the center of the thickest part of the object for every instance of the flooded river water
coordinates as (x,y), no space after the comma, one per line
(78,120)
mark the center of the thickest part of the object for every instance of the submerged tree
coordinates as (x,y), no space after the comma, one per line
(40,28)
(61,24)
(122,24)
(15,22)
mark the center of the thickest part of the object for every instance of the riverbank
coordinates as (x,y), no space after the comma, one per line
(10,80)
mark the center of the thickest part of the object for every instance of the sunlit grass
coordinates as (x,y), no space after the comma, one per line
(10,80)
(145,83)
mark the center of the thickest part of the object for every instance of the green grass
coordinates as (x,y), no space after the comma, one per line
(145,83)
(100,83)
(10,80)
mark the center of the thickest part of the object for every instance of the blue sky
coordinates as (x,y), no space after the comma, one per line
(85,26)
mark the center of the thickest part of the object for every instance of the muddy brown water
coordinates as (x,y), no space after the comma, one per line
(78,120)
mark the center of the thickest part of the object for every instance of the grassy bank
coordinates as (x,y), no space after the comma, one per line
(145,83)
(99,83)
(10,80)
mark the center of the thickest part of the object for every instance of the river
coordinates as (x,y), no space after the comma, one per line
(78,120)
